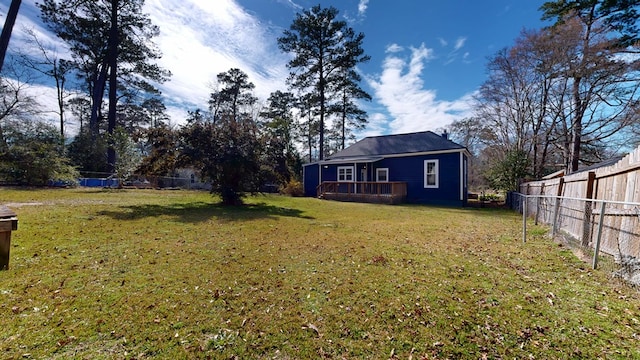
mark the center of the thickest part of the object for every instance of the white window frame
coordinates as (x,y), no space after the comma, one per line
(435,172)
(349,172)
(386,174)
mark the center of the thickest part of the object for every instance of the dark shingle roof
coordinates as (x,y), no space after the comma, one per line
(397,144)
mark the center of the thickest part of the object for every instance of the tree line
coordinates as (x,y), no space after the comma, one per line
(560,97)
(109,85)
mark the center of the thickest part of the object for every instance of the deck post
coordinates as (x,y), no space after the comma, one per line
(355,177)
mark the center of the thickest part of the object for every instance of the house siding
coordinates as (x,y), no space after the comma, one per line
(409,169)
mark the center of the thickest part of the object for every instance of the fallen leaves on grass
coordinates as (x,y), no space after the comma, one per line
(313,328)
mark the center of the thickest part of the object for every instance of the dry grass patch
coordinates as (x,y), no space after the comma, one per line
(170,274)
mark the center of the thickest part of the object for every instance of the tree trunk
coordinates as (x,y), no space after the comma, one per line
(576,128)
(321,126)
(309,137)
(96,100)
(344,124)
(321,89)
(8,27)
(113,79)
(60,81)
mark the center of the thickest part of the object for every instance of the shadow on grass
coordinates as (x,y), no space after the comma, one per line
(201,211)
(481,212)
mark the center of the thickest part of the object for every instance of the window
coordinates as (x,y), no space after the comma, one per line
(345,173)
(431,173)
(382,175)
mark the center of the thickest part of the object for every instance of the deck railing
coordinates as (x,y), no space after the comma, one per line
(364,191)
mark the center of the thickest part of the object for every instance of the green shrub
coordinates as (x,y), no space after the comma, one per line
(489,197)
(293,188)
(33,156)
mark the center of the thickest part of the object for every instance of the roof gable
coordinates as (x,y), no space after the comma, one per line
(417,142)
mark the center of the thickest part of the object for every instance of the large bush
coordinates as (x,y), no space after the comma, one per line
(88,152)
(506,174)
(227,154)
(31,154)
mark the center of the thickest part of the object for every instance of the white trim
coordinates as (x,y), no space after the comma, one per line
(436,172)
(461,177)
(453,151)
(386,170)
(377,158)
(352,168)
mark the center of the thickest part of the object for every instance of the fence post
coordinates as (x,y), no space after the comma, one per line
(524,218)
(556,207)
(554,225)
(588,210)
(539,203)
(597,247)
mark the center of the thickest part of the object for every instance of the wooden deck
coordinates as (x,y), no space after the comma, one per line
(364,191)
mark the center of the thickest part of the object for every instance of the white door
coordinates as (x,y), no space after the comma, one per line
(363,174)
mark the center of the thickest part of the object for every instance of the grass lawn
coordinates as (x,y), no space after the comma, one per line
(171,274)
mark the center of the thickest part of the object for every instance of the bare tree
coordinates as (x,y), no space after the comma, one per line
(602,85)
(49,64)
(15,101)
(595,39)
(513,105)
(558,89)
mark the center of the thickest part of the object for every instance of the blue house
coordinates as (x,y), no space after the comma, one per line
(421,167)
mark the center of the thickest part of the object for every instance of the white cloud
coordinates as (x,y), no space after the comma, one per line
(377,125)
(454,54)
(28,20)
(221,37)
(195,48)
(291,4)
(460,43)
(393,48)
(362,7)
(401,90)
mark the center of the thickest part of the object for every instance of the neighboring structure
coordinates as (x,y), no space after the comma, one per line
(420,167)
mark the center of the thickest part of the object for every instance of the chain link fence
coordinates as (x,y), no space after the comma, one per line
(606,233)
(98,179)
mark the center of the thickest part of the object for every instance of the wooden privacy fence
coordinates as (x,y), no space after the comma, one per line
(600,201)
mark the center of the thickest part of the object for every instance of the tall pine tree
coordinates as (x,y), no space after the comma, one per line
(110,43)
(324,49)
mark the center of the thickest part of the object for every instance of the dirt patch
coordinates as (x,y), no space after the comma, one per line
(17,205)
(486,204)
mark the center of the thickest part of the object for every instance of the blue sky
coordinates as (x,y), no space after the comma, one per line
(427,56)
